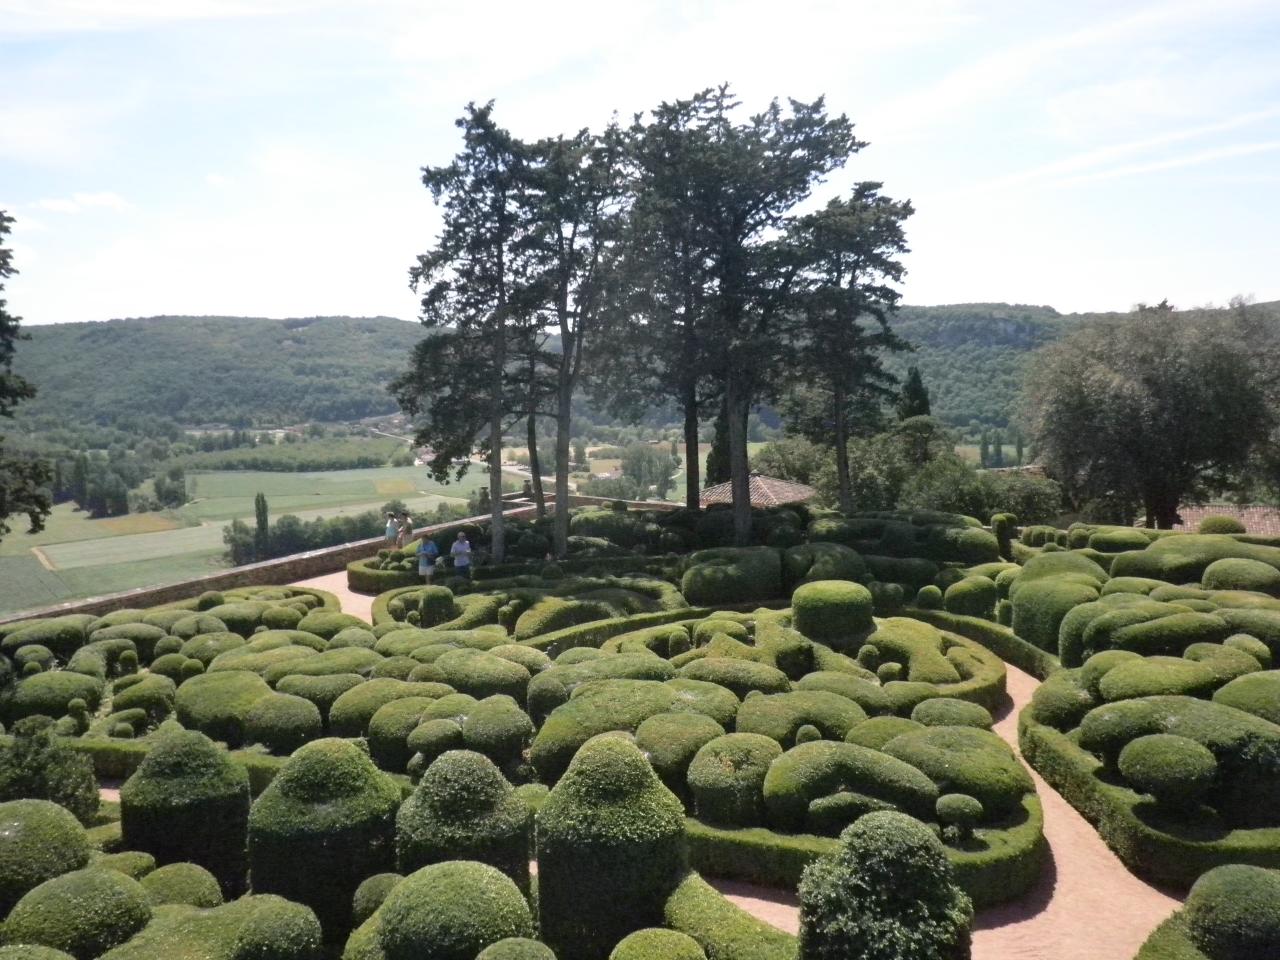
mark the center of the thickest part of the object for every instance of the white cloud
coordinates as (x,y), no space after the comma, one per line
(78,202)
(55,16)
(1186,160)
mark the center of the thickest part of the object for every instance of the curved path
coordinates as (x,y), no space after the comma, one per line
(1086,905)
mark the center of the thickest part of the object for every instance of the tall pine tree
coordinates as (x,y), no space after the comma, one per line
(913,401)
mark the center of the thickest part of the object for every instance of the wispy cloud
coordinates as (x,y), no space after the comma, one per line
(1173,163)
(79,202)
(60,16)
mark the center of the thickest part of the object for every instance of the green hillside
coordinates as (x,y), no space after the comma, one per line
(200,370)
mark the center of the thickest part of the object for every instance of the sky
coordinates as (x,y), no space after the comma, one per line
(262,157)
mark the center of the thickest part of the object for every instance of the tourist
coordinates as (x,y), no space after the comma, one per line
(428,554)
(406,530)
(461,553)
(393,527)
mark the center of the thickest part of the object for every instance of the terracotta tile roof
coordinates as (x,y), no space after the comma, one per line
(765,492)
(1257,519)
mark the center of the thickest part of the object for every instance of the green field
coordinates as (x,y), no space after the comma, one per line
(85,557)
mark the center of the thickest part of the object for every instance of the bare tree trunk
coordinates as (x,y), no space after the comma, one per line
(692,454)
(842,451)
(535,465)
(738,405)
(497,530)
(560,526)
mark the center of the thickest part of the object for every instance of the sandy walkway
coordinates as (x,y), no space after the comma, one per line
(1087,905)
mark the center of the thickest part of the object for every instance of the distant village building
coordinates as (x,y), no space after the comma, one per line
(765,492)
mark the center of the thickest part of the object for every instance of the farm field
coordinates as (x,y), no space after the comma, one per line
(81,557)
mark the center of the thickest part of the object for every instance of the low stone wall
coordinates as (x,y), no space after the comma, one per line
(297,566)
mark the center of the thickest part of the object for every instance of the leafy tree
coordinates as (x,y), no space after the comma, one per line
(36,764)
(475,286)
(852,248)
(262,528)
(717,469)
(23,480)
(792,458)
(984,450)
(997,449)
(1155,407)
(579,453)
(650,467)
(913,401)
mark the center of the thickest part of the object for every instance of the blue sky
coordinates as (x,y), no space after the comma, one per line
(260,157)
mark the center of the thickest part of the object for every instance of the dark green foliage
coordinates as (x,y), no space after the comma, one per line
(84,913)
(49,694)
(949,712)
(1216,523)
(1238,573)
(283,722)
(350,713)
(656,943)
(727,777)
(189,802)
(187,883)
(1233,913)
(1039,607)
(1153,676)
(887,894)
(971,597)
(1255,693)
(451,911)
(218,704)
(808,562)
(960,812)
(38,765)
(740,676)
(153,693)
(780,716)
(721,927)
(322,825)
(732,575)
(670,741)
(516,948)
(320,690)
(929,597)
(463,809)
(966,760)
(834,612)
(39,840)
(27,952)
(610,842)
(371,894)
(1174,770)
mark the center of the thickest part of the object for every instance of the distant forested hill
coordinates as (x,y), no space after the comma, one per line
(972,355)
(217,369)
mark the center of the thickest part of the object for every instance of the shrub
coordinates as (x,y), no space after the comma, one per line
(732,575)
(84,913)
(187,883)
(960,812)
(819,787)
(349,715)
(740,676)
(39,840)
(371,894)
(610,841)
(1234,573)
(62,635)
(966,760)
(1176,771)
(781,715)
(389,731)
(656,943)
(152,693)
(726,777)
(1255,693)
(498,728)
(29,952)
(283,722)
(1233,912)
(482,674)
(949,712)
(188,801)
(888,893)
(822,561)
(323,824)
(329,623)
(49,694)
(38,765)
(971,597)
(352,637)
(516,948)
(929,597)
(451,911)
(195,624)
(671,740)
(1217,523)
(877,731)
(464,809)
(321,690)
(1154,676)
(1117,540)
(1040,605)
(354,659)
(832,611)
(218,704)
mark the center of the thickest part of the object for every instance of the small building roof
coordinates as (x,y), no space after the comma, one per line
(765,492)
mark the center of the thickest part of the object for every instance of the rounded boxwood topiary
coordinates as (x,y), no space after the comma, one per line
(49,693)
(498,728)
(464,809)
(966,760)
(371,894)
(611,847)
(671,740)
(283,722)
(188,801)
(972,597)
(949,712)
(781,715)
(1175,770)
(323,824)
(84,913)
(1232,573)
(514,948)
(322,690)
(349,715)
(877,731)
(152,693)
(451,911)
(835,612)
(218,704)
(187,883)
(960,812)
(1233,912)
(655,943)
(1218,523)
(39,840)
(929,597)
(30,952)
(888,892)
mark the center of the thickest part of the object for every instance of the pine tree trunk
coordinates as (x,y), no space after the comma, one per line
(497,530)
(842,452)
(692,455)
(738,406)
(560,526)
(535,467)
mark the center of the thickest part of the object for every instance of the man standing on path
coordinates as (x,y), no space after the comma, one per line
(428,553)
(461,553)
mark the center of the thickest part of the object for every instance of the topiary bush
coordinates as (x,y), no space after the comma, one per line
(1217,523)
(656,943)
(39,840)
(671,740)
(971,597)
(835,612)
(1233,913)
(48,694)
(188,801)
(949,712)
(36,764)
(218,704)
(323,824)
(727,776)
(888,893)
(84,913)
(185,883)
(283,722)
(464,809)
(371,894)
(611,848)
(451,911)
(1175,770)
(1237,573)
(515,948)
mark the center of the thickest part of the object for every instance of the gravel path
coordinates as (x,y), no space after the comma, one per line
(1086,906)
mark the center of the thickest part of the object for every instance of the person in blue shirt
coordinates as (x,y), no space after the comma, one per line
(428,554)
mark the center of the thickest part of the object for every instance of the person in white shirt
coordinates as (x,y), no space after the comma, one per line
(461,553)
